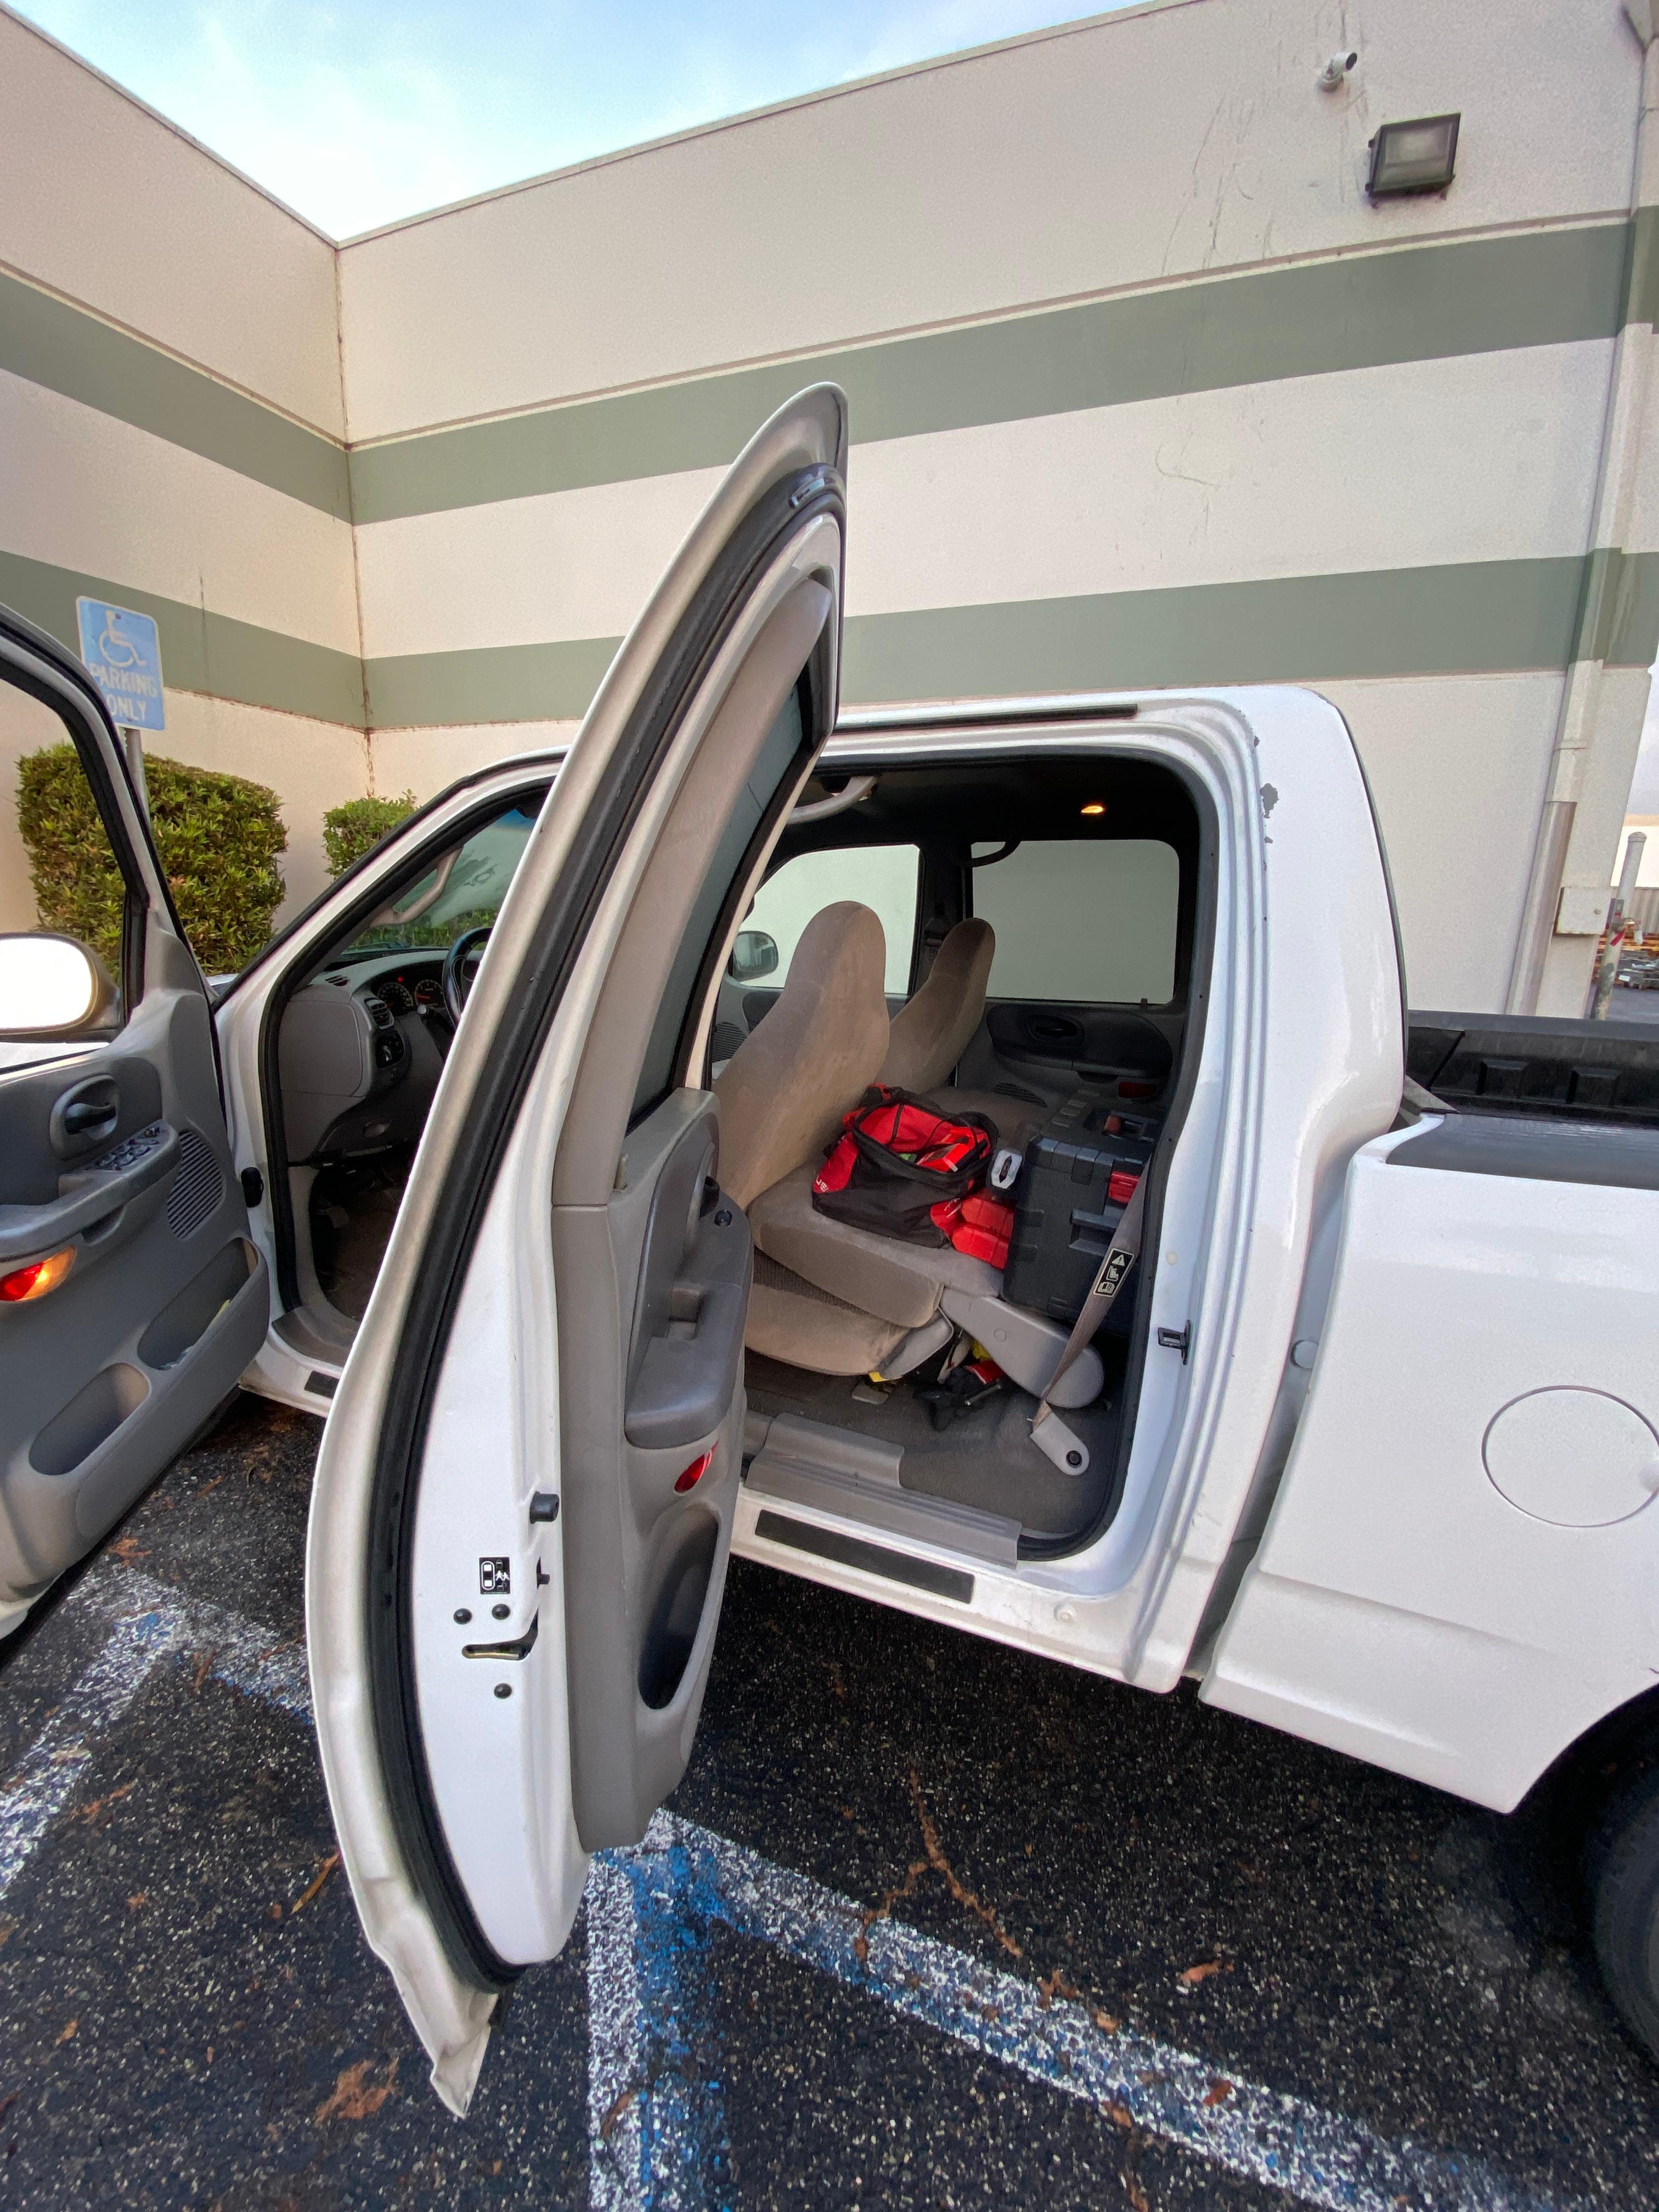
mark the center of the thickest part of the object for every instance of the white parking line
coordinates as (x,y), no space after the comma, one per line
(683,1880)
(655,2103)
(150,1620)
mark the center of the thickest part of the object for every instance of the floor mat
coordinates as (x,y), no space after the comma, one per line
(353,1204)
(985,1460)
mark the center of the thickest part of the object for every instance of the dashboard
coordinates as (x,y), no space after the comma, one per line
(411,987)
(361,1047)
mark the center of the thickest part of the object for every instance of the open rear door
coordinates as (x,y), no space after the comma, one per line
(524,1502)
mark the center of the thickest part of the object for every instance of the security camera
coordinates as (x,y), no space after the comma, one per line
(1335,71)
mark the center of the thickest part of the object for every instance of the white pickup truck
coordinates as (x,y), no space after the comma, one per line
(1365,1448)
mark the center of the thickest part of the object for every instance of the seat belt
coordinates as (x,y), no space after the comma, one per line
(1067,1451)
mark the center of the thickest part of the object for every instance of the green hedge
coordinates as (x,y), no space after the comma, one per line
(218,837)
(348,831)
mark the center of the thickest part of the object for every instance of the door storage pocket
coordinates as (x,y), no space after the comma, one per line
(90,1418)
(185,1319)
(683,1576)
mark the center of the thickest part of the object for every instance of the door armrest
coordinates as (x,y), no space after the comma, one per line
(87,1196)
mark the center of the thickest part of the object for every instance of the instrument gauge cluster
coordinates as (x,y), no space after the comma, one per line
(398,996)
(429,991)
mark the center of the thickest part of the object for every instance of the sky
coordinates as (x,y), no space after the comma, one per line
(360,114)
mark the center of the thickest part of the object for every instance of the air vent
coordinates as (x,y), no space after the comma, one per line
(197,1186)
(380,1013)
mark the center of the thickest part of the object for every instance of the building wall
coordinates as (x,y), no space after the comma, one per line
(1143,391)
(171,420)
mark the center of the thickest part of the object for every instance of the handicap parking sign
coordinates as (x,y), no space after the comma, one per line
(123,653)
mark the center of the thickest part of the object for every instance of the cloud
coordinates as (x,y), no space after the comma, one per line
(362,114)
(350,140)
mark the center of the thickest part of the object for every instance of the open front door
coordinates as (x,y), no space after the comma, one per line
(130,1296)
(524,1499)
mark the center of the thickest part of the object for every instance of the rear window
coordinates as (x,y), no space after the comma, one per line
(1087,921)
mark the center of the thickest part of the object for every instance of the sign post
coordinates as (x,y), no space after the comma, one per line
(1605,974)
(122,650)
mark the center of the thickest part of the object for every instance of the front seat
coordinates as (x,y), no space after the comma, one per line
(833,1299)
(929,1032)
(784,1090)
(782,1096)
(933,1029)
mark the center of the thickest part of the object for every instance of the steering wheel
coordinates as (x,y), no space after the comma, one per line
(458,981)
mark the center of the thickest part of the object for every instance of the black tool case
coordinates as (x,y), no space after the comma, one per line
(1064,1209)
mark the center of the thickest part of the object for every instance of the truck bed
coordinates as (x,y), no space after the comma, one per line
(1528,1065)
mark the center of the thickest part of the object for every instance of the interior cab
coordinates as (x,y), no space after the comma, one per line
(1012,939)
(361,1030)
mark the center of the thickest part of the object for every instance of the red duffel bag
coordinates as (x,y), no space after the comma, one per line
(897,1159)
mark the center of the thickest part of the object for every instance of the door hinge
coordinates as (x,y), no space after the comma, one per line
(1178,1339)
(253,1186)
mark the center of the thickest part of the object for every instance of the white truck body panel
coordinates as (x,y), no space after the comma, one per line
(1401,1607)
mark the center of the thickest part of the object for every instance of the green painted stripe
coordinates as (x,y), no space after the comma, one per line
(62,347)
(1618,609)
(1468,617)
(1419,303)
(1642,268)
(500,683)
(200,651)
(1473,616)
(1483,295)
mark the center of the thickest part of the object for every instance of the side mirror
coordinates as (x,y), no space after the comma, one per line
(50,986)
(754,955)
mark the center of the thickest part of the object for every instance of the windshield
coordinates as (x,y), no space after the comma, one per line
(463,890)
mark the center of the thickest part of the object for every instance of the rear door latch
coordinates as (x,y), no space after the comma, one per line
(1178,1339)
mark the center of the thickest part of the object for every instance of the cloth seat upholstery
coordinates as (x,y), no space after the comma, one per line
(900,1283)
(793,1319)
(930,1031)
(784,1091)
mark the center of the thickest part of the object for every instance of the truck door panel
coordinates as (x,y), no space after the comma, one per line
(112,1148)
(523,1503)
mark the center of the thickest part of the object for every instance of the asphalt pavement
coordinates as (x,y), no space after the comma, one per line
(929,1922)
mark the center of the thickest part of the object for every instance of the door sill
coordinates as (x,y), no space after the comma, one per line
(856,1479)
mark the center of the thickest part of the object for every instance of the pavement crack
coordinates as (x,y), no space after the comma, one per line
(932,1862)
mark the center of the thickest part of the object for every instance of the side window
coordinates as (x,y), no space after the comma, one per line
(59,875)
(1089,921)
(462,891)
(882,876)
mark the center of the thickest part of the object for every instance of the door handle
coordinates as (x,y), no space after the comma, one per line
(83,1118)
(84,1115)
(89,1194)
